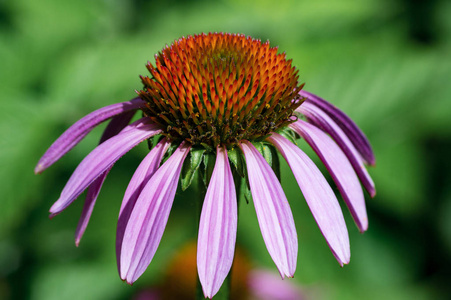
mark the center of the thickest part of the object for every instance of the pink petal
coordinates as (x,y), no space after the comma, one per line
(317,117)
(80,129)
(102,158)
(149,217)
(217,228)
(273,211)
(88,207)
(143,173)
(353,132)
(339,167)
(319,196)
(116,124)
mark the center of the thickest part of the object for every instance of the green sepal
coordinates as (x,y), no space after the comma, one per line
(267,153)
(208,147)
(208,166)
(242,184)
(169,152)
(275,161)
(153,141)
(289,134)
(246,190)
(190,166)
(271,156)
(259,146)
(237,159)
(150,143)
(261,138)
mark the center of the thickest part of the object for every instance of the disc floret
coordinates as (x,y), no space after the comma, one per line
(216,88)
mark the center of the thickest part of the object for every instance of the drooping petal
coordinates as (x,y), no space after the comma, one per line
(339,167)
(319,118)
(88,206)
(354,133)
(319,196)
(116,124)
(149,217)
(102,158)
(265,285)
(80,129)
(273,211)
(217,228)
(143,173)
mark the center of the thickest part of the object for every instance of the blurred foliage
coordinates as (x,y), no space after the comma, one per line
(385,63)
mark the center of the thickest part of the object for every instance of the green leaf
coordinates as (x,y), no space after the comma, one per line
(190,167)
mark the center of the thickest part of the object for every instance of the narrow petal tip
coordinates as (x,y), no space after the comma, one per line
(126,279)
(207,295)
(55,209)
(364,225)
(39,169)
(373,192)
(344,263)
(129,282)
(344,258)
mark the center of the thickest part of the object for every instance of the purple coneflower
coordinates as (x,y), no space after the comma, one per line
(236,98)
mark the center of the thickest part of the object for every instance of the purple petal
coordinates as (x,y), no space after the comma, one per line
(116,124)
(319,196)
(317,117)
(80,129)
(101,159)
(143,173)
(88,206)
(339,167)
(149,217)
(273,211)
(265,285)
(217,228)
(354,133)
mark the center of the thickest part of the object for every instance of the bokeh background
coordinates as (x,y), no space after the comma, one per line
(386,63)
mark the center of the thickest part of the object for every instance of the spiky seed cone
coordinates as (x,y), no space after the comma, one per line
(219,88)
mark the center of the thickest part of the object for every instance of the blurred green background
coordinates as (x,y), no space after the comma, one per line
(386,63)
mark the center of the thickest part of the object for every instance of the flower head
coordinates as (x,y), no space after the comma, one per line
(219,89)
(210,95)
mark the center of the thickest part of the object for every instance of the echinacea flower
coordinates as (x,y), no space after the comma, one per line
(237,99)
